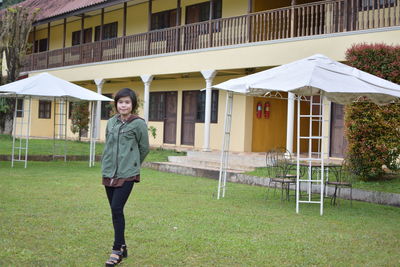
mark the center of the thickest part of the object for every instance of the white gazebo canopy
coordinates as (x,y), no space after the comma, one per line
(45,85)
(48,87)
(315,75)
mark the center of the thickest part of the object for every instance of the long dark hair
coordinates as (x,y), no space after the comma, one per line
(126,92)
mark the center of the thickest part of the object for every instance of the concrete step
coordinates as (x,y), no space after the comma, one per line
(200,162)
(194,165)
(251,160)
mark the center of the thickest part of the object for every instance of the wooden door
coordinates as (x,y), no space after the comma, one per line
(189,110)
(338,142)
(170,117)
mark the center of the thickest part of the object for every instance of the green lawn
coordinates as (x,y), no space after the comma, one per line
(56,214)
(46,146)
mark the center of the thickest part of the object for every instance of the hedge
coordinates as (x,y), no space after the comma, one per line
(372,131)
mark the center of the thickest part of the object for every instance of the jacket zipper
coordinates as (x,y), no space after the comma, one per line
(116,156)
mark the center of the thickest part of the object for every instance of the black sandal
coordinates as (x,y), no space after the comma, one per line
(124,250)
(115,258)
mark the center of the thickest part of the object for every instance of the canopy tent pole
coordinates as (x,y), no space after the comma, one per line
(24,121)
(225,145)
(28,130)
(298,155)
(60,128)
(316,125)
(92,154)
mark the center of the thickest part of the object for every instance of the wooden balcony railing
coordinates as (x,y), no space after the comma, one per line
(296,21)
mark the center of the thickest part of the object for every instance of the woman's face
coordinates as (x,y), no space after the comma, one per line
(124,106)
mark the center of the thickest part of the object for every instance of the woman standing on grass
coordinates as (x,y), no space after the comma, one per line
(127,144)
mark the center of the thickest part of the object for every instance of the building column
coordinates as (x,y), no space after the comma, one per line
(97,118)
(147,79)
(292,33)
(249,6)
(209,77)
(290,123)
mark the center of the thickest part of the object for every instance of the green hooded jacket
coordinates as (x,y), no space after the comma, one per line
(127,144)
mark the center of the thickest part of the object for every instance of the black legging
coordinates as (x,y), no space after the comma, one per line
(117,196)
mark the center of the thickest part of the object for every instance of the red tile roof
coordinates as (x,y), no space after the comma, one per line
(52,8)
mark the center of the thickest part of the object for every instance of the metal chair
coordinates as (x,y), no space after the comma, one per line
(342,180)
(280,170)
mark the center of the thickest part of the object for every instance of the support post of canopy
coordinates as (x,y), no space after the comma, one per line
(313,159)
(92,152)
(60,128)
(24,124)
(225,145)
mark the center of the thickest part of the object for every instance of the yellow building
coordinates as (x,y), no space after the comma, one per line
(168,50)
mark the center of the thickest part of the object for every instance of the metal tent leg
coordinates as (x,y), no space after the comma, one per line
(92,154)
(22,125)
(60,129)
(225,145)
(317,135)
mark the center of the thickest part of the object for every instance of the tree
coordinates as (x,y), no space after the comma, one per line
(15,24)
(373,131)
(7,3)
(80,117)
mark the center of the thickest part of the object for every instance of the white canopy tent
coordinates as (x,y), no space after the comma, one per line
(313,76)
(48,87)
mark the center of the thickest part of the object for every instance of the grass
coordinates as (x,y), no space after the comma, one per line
(390,186)
(56,214)
(45,147)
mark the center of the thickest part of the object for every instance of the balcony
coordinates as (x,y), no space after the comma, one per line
(295,21)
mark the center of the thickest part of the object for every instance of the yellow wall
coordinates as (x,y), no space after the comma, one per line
(56,37)
(231,8)
(41,127)
(136,19)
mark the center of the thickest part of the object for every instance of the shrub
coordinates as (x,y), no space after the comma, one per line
(373,131)
(80,117)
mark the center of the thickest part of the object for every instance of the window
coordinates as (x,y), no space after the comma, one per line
(44,109)
(201,106)
(370,4)
(110,31)
(87,36)
(164,19)
(106,108)
(20,108)
(157,106)
(41,45)
(201,12)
